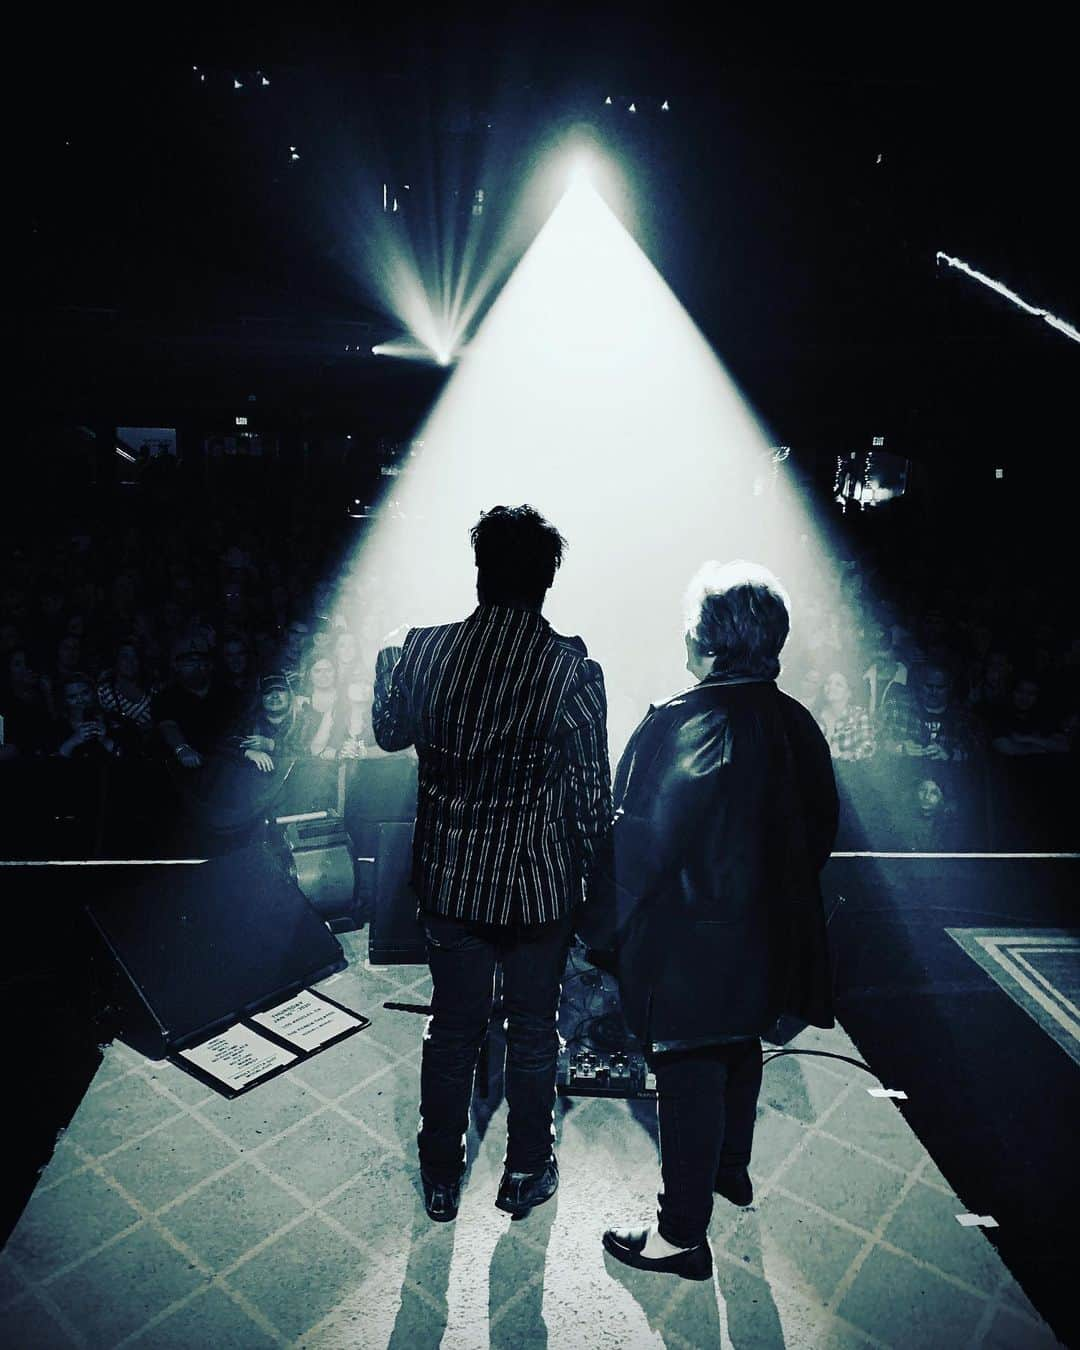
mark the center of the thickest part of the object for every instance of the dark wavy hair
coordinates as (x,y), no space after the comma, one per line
(517,554)
(739,613)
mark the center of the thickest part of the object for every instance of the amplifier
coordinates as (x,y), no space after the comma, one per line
(594,1073)
(321,863)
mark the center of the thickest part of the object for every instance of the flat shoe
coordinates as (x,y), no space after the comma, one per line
(626,1245)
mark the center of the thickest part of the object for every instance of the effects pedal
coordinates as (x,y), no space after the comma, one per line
(593,1073)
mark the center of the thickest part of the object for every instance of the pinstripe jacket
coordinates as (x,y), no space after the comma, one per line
(509,721)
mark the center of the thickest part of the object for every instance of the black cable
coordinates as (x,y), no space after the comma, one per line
(821,1054)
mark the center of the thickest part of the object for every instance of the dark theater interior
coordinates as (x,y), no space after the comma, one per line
(299,302)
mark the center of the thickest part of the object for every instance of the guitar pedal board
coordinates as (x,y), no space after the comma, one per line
(595,1073)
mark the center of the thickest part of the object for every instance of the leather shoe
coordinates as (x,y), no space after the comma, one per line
(734,1184)
(626,1244)
(441,1198)
(521,1191)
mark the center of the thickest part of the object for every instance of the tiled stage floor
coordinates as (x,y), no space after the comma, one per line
(173,1218)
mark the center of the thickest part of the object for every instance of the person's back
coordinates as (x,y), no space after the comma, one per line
(743,812)
(497,702)
(726,810)
(514,800)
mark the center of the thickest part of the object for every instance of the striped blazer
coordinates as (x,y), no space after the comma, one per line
(509,721)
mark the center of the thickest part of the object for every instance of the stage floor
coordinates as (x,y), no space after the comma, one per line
(170,1216)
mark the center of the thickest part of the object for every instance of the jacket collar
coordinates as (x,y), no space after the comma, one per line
(713,680)
(509,615)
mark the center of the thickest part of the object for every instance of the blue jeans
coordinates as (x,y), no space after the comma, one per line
(463,956)
(706,1104)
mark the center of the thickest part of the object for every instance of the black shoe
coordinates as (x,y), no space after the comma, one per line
(626,1244)
(734,1184)
(521,1191)
(441,1198)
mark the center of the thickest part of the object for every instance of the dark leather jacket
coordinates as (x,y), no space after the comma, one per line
(725,813)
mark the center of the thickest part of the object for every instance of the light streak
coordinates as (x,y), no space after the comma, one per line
(1060,324)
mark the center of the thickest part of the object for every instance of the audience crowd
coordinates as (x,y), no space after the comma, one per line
(166,681)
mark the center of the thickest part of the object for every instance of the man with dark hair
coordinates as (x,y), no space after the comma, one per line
(514,804)
(928,722)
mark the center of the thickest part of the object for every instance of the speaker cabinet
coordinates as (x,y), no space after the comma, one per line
(201,946)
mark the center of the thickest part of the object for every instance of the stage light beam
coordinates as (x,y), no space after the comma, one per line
(589,392)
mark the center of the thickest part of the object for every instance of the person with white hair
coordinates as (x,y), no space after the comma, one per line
(725,812)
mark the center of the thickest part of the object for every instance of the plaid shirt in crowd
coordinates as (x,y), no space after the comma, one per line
(852,735)
(509,721)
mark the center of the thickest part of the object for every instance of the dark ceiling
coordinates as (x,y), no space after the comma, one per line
(175,259)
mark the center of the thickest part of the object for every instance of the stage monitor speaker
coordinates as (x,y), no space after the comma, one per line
(395,935)
(201,946)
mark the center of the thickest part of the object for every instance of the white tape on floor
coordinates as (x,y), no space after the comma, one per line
(976,1221)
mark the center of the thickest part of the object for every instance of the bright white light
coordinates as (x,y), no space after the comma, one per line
(664,106)
(580,170)
(294,155)
(607,101)
(236,83)
(241,422)
(1060,324)
(124,455)
(265,81)
(633,107)
(589,392)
